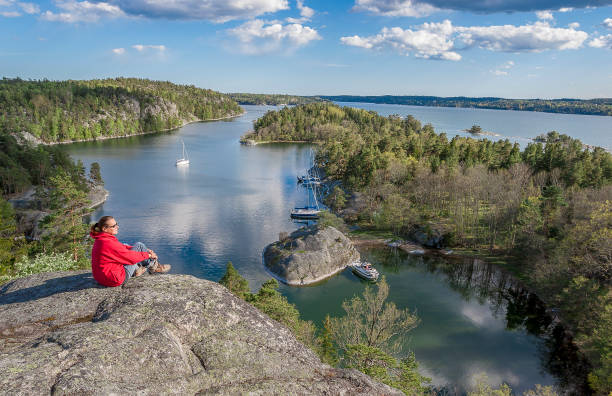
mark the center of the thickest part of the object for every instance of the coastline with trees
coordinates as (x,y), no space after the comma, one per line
(68,111)
(545,210)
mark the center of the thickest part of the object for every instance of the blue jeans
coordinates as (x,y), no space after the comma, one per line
(131,268)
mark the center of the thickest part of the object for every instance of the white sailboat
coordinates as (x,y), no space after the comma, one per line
(184,160)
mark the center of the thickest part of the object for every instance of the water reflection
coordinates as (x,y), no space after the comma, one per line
(234,200)
(503,314)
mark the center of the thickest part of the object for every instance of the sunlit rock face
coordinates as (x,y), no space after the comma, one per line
(309,255)
(61,333)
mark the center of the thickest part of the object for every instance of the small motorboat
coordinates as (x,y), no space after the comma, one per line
(365,270)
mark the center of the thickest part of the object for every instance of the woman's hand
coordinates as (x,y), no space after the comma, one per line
(152,254)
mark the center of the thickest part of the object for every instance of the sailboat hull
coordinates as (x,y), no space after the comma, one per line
(182,162)
(305,213)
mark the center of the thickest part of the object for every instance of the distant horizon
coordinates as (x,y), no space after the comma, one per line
(314,95)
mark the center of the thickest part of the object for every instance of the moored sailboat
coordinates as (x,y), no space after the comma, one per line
(184,160)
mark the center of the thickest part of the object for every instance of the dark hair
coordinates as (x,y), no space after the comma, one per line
(100,224)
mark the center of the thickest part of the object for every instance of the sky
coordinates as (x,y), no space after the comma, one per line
(502,48)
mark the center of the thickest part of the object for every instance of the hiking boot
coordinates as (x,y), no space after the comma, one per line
(157,268)
(139,271)
(161,269)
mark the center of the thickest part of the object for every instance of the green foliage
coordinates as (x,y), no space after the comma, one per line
(336,199)
(10,248)
(272,303)
(275,305)
(43,262)
(401,374)
(372,329)
(95,175)
(483,388)
(549,204)
(235,282)
(22,165)
(272,99)
(326,349)
(67,230)
(327,218)
(372,321)
(59,111)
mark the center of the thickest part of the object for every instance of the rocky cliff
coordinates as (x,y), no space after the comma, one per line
(309,255)
(60,333)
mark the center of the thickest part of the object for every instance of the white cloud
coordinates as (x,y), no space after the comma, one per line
(537,37)
(258,37)
(119,51)
(142,48)
(10,14)
(602,42)
(574,25)
(607,23)
(430,41)
(417,8)
(545,15)
(395,8)
(82,11)
(503,70)
(306,13)
(14,6)
(437,40)
(211,10)
(29,8)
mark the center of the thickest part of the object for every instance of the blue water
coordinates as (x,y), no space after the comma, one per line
(517,126)
(233,200)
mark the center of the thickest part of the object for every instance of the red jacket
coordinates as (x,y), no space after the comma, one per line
(108,256)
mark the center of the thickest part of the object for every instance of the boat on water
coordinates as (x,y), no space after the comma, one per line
(365,270)
(309,212)
(305,213)
(308,180)
(184,160)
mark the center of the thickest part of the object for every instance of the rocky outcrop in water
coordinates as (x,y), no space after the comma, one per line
(61,333)
(309,255)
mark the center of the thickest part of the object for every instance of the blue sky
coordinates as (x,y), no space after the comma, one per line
(507,48)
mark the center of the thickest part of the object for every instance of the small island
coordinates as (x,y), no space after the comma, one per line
(477,130)
(309,255)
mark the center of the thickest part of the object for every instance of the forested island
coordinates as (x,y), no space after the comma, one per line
(546,210)
(65,111)
(272,99)
(602,106)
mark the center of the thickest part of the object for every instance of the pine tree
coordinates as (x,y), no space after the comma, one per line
(235,282)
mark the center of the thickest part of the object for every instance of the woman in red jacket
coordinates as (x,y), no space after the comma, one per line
(112,262)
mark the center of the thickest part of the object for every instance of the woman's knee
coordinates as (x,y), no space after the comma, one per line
(139,247)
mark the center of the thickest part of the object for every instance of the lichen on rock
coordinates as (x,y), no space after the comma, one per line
(61,333)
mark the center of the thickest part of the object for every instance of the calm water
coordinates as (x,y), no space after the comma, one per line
(234,200)
(517,126)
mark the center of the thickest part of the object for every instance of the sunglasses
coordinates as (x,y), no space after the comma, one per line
(113,226)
